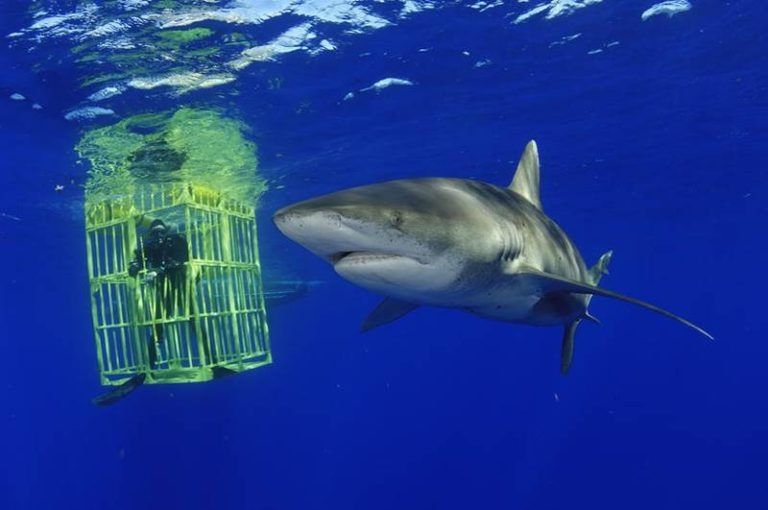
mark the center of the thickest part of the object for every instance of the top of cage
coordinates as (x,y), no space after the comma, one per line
(156,197)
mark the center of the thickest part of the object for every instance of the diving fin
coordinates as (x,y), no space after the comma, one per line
(120,392)
(566,351)
(546,283)
(389,310)
(219,372)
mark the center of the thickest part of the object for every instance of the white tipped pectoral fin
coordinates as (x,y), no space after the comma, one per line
(526,181)
(552,283)
(389,310)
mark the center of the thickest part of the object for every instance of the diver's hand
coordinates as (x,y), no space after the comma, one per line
(150,276)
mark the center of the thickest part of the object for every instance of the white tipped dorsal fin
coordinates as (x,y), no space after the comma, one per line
(526,180)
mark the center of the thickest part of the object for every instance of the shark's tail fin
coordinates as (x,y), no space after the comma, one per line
(566,350)
(596,273)
(546,283)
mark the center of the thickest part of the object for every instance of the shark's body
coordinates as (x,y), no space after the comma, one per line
(455,243)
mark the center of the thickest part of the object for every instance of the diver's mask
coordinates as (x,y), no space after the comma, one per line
(158,232)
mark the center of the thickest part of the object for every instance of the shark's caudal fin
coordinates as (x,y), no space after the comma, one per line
(553,283)
(566,351)
(526,182)
(389,310)
(120,392)
(596,273)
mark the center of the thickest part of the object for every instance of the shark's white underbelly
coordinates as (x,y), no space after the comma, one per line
(521,301)
(517,308)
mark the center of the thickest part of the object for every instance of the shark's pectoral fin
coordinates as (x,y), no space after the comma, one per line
(566,351)
(389,310)
(546,283)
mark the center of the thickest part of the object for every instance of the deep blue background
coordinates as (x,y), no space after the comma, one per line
(655,148)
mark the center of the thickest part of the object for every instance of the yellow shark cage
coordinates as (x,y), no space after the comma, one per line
(216,323)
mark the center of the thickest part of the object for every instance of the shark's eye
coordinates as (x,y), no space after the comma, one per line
(396,219)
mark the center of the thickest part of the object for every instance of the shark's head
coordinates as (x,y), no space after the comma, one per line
(415,239)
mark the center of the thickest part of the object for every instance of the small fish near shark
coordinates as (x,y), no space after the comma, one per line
(457,243)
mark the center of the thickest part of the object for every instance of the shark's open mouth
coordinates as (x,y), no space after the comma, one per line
(348,258)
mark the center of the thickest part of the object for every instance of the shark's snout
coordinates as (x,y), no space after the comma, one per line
(281,217)
(362,243)
(320,231)
(290,218)
(403,239)
(288,221)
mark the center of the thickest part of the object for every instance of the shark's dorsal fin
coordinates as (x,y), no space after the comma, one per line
(526,180)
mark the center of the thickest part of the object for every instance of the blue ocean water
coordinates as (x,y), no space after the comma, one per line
(654,146)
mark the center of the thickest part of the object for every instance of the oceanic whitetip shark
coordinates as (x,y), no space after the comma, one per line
(457,243)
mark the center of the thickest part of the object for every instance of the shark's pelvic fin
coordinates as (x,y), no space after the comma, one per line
(389,310)
(566,351)
(526,182)
(553,283)
(591,318)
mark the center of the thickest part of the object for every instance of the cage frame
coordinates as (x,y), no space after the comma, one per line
(248,326)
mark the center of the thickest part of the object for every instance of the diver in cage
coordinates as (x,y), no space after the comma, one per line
(163,255)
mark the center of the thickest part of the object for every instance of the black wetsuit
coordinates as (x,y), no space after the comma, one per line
(165,254)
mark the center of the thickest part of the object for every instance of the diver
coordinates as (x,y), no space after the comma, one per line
(163,255)
(161,259)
